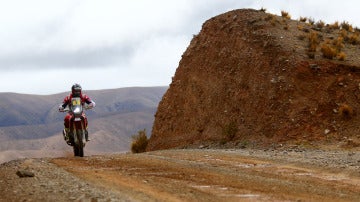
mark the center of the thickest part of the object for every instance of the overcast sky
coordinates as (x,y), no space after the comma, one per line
(47,45)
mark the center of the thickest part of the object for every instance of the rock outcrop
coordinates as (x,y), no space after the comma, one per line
(248,77)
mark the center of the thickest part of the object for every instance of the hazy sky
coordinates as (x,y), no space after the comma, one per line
(47,45)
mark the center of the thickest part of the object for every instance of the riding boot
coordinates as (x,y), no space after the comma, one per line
(87,136)
(66,135)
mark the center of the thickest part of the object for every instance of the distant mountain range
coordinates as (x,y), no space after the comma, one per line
(30,125)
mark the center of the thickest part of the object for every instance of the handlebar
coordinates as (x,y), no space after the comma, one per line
(67,109)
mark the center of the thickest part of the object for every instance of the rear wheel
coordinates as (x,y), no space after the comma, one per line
(81,151)
(76,150)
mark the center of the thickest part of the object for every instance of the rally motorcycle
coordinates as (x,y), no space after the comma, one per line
(78,130)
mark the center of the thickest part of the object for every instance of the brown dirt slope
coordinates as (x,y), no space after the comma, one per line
(249,77)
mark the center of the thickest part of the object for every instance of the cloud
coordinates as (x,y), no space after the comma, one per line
(113,43)
(57,58)
(87,34)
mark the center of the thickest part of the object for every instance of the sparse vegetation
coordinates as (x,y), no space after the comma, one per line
(332,48)
(339,43)
(354,39)
(272,19)
(300,27)
(303,19)
(320,24)
(313,43)
(313,38)
(335,25)
(328,51)
(139,142)
(346,26)
(311,21)
(343,33)
(341,56)
(285,14)
(263,9)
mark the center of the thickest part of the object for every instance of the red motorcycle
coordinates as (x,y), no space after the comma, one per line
(78,130)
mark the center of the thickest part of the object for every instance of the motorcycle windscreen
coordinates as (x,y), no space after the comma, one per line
(76,107)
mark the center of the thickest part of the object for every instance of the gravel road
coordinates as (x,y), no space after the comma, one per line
(188,175)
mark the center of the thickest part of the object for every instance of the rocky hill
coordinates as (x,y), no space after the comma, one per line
(254,78)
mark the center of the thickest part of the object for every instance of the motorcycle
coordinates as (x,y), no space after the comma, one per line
(78,130)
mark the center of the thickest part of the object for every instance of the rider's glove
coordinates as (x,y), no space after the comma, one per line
(91,105)
(61,108)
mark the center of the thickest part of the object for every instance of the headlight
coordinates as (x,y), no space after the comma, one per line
(77,110)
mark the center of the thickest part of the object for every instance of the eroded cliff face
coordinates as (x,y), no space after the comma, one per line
(247,78)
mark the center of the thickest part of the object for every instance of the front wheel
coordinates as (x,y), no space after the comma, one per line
(79,144)
(78,151)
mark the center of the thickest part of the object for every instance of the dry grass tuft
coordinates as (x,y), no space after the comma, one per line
(314,38)
(311,21)
(346,26)
(313,43)
(272,19)
(285,14)
(338,43)
(139,142)
(335,25)
(341,56)
(300,27)
(320,24)
(303,19)
(262,9)
(344,34)
(354,38)
(328,51)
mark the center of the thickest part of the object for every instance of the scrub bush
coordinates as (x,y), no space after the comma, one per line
(139,142)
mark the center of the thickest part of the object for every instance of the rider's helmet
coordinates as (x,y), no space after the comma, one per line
(76,90)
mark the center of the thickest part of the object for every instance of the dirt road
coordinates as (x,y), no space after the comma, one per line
(188,175)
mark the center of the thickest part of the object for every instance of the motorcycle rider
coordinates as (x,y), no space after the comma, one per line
(75,92)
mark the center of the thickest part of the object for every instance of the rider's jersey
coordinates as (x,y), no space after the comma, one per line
(84,99)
